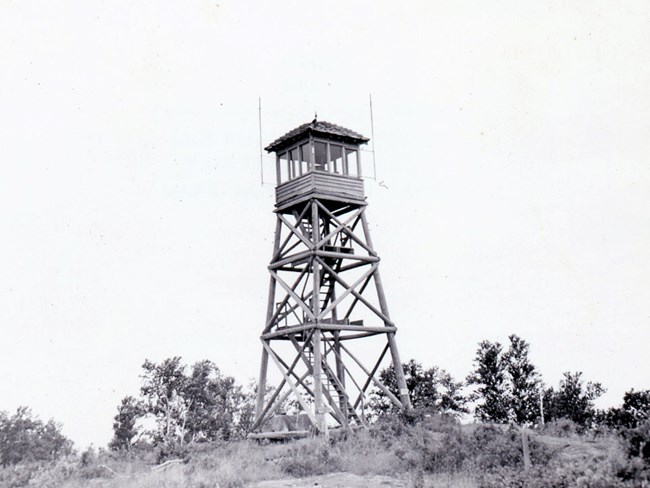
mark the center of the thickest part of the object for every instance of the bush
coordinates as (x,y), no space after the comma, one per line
(25,438)
(310,457)
(561,428)
(637,446)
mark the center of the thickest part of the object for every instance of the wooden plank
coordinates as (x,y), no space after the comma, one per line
(287,331)
(362,391)
(397,362)
(318,182)
(279,251)
(348,289)
(379,384)
(293,387)
(293,295)
(294,230)
(272,320)
(291,372)
(337,414)
(339,227)
(345,401)
(356,328)
(342,255)
(361,335)
(350,232)
(293,259)
(261,385)
(356,300)
(386,320)
(285,206)
(294,434)
(320,424)
(282,249)
(271,407)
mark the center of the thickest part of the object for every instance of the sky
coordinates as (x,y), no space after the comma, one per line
(512,190)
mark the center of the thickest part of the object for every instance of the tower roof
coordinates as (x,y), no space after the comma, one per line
(321,128)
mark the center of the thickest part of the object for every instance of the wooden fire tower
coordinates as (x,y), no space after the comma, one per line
(327,331)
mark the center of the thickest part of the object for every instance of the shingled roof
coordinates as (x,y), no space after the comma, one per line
(317,128)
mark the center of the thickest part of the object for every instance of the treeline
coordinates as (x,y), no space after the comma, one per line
(505,387)
(178,405)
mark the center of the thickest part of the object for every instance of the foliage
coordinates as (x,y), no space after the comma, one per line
(430,390)
(201,406)
(490,377)
(310,458)
(163,397)
(638,441)
(574,400)
(524,382)
(25,438)
(436,448)
(125,427)
(508,384)
(214,404)
(635,409)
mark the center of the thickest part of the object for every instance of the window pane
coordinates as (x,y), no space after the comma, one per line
(320,156)
(352,162)
(336,154)
(305,156)
(284,168)
(295,163)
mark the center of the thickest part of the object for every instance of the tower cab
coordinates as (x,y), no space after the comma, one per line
(318,159)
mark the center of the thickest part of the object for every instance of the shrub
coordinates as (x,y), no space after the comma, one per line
(25,438)
(310,457)
(637,446)
(561,428)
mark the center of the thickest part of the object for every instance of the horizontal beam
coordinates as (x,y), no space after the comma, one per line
(359,336)
(287,331)
(342,255)
(356,328)
(318,196)
(293,259)
(364,329)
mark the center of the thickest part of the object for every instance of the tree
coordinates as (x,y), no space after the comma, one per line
(635,410)
(573,400)
(432,390)
(202,406)
(523,382)
(125,427)
(26,438)
(163,397)
(214,403)
(490,377)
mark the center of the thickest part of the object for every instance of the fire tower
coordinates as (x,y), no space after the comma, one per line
(327,312)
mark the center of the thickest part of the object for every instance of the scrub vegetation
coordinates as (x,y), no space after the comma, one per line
(187,428)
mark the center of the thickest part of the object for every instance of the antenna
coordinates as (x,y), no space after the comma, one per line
(372,134)
(259,107)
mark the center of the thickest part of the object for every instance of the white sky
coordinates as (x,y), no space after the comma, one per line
(514,141)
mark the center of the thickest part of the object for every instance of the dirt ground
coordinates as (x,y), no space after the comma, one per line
(336,480)
(348,480)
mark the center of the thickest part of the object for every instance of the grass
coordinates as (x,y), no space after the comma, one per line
(436,452)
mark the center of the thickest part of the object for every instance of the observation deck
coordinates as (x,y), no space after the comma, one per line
(318,160)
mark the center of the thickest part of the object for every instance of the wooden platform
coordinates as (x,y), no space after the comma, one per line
(317,183)
(288,435)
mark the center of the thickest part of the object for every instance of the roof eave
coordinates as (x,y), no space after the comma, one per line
(285,143)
